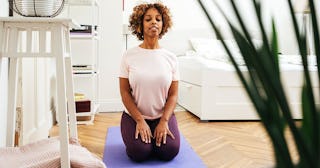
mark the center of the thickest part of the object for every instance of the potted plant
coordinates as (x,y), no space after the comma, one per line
(265,89)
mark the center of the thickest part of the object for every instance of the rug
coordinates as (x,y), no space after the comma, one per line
(115,155)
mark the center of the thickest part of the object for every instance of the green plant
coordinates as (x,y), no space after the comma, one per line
(265,89)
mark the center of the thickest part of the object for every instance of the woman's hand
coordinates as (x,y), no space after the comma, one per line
(143,129)
(161,132)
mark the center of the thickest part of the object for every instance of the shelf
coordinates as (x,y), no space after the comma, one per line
(95,108)
(93,111)
(89,122)
(89,114)
(83,36)
(84,2)
(85,75)
(78,114)
(85,50)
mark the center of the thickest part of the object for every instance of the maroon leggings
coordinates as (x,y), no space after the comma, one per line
(140,151)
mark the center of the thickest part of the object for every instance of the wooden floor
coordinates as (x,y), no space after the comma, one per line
(219,144)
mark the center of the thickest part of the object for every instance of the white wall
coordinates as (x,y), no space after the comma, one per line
(189,21)
(3,84)
(110,52)
(190,18)
(112,42)
(278,9)
(4,8)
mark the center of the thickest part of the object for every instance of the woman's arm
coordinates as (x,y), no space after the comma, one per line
(162,130)
(142,127)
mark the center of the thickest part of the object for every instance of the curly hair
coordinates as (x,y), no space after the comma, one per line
(136,18)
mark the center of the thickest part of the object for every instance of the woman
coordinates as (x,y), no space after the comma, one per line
(149,88)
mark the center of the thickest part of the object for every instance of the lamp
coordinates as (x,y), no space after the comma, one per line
(302,7)
(126,32)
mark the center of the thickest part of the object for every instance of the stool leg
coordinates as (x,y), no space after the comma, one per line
(1,44)
(70,94)
(12,87)
(70,98)
(12,95)
(57,49)
(1,62)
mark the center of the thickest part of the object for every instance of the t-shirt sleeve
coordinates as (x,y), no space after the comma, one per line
(124,68)
(176,72)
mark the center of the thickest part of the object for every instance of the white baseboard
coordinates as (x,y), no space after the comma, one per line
(179,108)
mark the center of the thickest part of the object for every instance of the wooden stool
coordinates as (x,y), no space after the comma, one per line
(49,30)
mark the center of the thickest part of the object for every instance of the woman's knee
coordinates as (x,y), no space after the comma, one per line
(139,153)
(168,151)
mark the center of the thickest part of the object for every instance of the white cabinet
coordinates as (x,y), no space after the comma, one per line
(84,48)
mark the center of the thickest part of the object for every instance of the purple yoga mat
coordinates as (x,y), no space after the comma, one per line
(115,155)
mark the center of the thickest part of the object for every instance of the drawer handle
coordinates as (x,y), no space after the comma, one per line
(188,86)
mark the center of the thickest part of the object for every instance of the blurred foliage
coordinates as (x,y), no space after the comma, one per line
(264,87)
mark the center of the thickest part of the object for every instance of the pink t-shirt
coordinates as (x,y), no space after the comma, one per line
(150,73)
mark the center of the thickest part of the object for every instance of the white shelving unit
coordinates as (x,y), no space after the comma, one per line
(85,47)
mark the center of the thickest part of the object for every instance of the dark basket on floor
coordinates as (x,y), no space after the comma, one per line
(37,8)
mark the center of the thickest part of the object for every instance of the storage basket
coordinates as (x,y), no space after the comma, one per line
(37,8)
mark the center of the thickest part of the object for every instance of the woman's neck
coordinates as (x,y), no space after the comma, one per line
(150,44)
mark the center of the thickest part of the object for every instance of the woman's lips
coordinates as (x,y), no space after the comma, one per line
(154,28)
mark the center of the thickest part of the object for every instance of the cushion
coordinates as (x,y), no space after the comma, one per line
(46,153)
(213,49)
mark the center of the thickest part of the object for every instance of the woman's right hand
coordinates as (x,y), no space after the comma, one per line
(143,129)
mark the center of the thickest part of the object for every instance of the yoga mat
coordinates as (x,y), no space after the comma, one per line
(115,155)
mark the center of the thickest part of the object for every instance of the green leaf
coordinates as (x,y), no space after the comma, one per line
(274,48)
(316,112)
(315,35)
(263,84)
(307,125)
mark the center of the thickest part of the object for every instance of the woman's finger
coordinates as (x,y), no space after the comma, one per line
(149,136)
(159,138)
(136,134)
(170,134)
(164,137)
(142,136)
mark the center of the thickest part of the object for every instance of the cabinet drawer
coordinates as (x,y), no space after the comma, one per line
(190,97)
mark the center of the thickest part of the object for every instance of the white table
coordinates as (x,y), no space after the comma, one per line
(54,31)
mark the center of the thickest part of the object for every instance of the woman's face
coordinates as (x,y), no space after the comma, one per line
(152,23)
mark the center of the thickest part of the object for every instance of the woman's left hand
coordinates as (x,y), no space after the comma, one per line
(161,132)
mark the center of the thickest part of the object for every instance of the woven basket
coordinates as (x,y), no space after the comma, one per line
(37,8)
